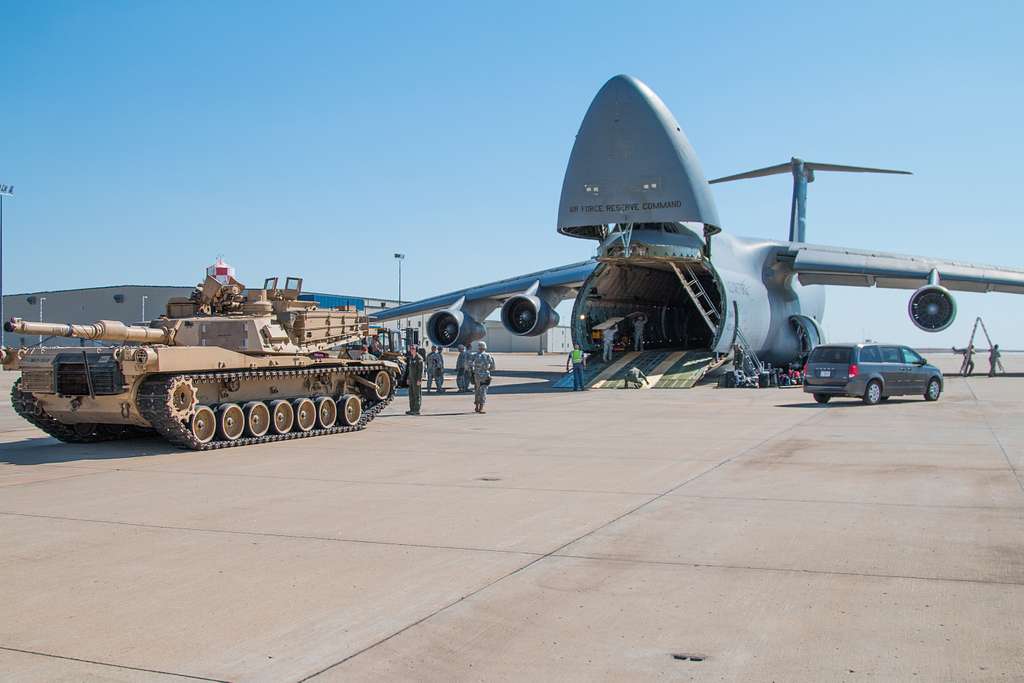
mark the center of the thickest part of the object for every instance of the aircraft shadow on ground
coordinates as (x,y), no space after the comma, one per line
(542,383)
(44,450)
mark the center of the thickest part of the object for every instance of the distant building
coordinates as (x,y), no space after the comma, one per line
(140,303)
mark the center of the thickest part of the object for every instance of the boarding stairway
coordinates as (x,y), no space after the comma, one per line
(752,365)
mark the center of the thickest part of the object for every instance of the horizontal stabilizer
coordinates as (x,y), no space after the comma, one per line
(803,173)
(808,165)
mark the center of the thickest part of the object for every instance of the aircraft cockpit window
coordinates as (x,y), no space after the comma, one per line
(293,283)
(270,283)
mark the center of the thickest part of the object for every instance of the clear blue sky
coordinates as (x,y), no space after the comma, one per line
(318,139)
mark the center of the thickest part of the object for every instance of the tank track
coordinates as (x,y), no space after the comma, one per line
(28,409)
(154,405)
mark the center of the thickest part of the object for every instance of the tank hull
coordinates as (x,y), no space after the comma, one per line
(119,392)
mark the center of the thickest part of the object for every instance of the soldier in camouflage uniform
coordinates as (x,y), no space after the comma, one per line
(483,364)
(470,357)
(461,370)
(415,377)
(635,378)
(435,370)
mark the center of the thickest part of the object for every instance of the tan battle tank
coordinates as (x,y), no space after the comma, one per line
(224,367)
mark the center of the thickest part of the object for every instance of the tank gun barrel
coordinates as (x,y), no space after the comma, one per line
(105,330)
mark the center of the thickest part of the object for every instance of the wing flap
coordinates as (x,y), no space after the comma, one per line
(820,265)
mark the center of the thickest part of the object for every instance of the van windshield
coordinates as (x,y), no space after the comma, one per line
(839,355)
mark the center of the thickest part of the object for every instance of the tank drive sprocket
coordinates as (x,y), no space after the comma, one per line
(182,398)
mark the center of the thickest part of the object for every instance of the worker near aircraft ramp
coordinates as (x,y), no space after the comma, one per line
(608,337)
(635,378)
(483,365)
(638,332)
(578,360)
(414,378)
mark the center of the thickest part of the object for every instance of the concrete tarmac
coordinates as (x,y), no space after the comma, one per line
(698,534)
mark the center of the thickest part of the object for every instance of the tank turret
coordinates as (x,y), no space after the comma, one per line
(225,366)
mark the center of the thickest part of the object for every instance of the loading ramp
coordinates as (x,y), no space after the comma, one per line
(665,369)
(689,369)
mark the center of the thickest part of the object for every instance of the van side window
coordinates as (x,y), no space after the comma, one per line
(836,355)
(870,354)
(891,354)
(910,355)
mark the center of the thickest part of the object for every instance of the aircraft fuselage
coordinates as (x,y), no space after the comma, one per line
(693,297)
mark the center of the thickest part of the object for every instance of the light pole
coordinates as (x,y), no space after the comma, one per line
(8,191)
(400,258)
(41,300)
(144,297)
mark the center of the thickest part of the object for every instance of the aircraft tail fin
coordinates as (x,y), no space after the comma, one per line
(803,173)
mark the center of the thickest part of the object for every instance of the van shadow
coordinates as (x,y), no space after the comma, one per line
(847,403)
(44,450)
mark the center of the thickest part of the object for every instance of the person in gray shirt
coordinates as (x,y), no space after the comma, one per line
(995,360)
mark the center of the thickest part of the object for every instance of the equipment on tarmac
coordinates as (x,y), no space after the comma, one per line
(974,330)
(223,367)
(967,367)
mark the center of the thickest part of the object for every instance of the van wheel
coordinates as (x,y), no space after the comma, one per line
(873,394)
(933,390)
(822,398)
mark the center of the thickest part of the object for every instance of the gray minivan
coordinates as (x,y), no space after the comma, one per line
(873,372)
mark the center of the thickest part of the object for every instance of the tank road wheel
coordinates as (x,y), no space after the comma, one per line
(257,418)
(351,409)
(383,384)
(183,398)
(230,421)
(282,416)
(204,424)
(326,412)
(305,414)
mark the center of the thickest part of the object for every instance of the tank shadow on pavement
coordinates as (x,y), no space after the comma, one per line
(46,450)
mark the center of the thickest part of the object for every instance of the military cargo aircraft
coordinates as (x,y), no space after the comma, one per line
(634,185)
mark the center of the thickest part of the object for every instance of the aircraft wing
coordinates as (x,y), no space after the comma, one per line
(563,277)
(821,265)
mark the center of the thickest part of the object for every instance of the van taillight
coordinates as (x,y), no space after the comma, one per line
(852,372)
(804,371)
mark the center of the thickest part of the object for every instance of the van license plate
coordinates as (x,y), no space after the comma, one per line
(824,373)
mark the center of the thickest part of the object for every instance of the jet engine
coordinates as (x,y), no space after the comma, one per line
(452,326)
(528,315)
(932,308)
